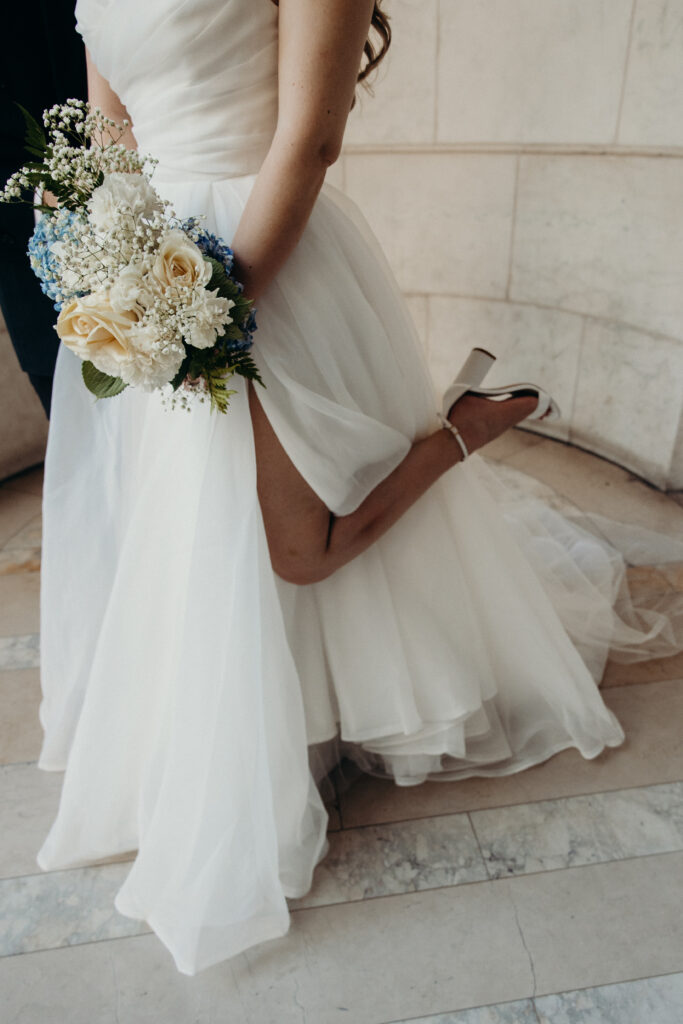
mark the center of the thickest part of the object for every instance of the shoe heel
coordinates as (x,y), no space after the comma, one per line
(472,373)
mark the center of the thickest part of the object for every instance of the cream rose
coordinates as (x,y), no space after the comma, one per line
(93,330)
(180,262)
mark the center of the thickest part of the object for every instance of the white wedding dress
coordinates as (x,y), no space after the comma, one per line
(185,686)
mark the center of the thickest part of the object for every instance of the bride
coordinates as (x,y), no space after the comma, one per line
(230,604)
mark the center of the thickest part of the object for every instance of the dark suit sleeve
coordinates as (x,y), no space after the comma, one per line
(43,63)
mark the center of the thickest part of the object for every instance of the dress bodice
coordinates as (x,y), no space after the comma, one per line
(198,77)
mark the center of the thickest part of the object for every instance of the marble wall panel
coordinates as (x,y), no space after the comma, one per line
(602,235)
(652,112)
(531,70)
(445,220)
(404,86)
(627,397)
(537,345)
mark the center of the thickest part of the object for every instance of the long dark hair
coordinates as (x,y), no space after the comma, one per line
(374,51)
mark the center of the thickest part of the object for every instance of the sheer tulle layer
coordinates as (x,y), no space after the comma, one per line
(183,682)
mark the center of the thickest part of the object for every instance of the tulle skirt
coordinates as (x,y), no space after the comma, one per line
(188,691)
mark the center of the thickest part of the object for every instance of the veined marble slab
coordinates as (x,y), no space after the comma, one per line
(646,1001)
(400,958)
(19,560)
(580,830)
(75,906)
(381,860)
(63,908)
(20,651)
(519,1012)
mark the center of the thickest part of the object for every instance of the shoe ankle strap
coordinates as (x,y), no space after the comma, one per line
(447,425)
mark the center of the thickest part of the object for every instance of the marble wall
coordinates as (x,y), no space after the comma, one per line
(522,165)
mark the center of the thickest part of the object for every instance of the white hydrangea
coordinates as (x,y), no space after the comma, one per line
(206,317)
(119,196)
(131,288)
(152,361)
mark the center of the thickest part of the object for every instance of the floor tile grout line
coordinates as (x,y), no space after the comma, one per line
(327,906)
(476,839)
(75,945)
(32,519)
(387,895)
(484,881)
(628,54)
(532,999)
(523,803)
(451,813)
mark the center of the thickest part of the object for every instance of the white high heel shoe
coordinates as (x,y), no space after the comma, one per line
(475,368)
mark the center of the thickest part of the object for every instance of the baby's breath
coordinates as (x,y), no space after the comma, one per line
(145,299)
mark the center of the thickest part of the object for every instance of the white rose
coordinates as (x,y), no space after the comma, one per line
(179,262)
(121,193)
(153,362)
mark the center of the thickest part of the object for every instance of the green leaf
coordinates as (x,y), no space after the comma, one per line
(246,367)
(219,278)
(101,384)
(34,139)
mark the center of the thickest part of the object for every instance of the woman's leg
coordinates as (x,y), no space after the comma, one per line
(307,542)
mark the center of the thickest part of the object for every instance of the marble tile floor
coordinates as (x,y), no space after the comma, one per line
(553,896)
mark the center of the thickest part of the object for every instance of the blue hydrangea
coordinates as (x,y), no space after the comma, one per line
(212,245)
(44,263)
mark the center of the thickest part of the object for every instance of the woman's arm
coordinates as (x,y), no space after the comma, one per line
(320,49)
(101,94)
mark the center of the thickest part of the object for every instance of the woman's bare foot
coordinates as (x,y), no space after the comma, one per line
(481,420)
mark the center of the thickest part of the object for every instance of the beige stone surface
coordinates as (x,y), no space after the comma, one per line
(29,799)
(598,486)
(19,603)
(402,107)
(599,235)
(14,560)
(337,964)
(626,382)
(384,959)
(21,735)
(531,70)
(652,112)
(17,509)
(602,923)
(444,220)
(650,715)
(538,346)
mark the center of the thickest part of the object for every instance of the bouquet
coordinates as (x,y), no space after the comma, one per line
(145,300)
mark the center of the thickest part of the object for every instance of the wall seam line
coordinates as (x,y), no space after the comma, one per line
(513,227)
(627,62)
